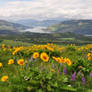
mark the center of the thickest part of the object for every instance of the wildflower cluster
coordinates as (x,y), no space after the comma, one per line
(89,56)
(63,60)
(17,50)
(46,68)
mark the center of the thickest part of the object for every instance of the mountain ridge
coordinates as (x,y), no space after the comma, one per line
(76,26)
(9,27)
(83,27)
(35,23)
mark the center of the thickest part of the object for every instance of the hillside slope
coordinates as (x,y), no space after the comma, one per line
(76,26)
(37,23)
(9,27)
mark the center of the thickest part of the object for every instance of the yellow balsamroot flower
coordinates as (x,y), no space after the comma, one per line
(68,61)
(17,50)
(50,49)
(11,61)
(89,58)
(89,54)
(44,57)
(20,61)
(89,46)
(35,55)
(4,78)
(63,60)
(1,64)
(58,59)
(54,58)
(14,52)
(3,46)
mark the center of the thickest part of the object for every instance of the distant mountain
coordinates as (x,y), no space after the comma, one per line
(9,27)
(28,22)
(75,26)
(83,27)
(35,23)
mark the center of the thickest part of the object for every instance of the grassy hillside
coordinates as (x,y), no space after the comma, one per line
(42,38)
(10,28)
(76,26)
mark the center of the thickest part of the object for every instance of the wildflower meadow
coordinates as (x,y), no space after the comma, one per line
(46,68)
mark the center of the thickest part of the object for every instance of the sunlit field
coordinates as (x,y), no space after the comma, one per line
(46,68)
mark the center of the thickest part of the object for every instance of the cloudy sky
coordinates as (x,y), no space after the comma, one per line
(45,9)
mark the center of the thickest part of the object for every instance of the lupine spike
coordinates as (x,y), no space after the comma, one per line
(73,76)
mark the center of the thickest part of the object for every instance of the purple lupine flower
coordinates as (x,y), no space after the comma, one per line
(79,72)
(90,74)
(26,65)
(83,80)
(53,65)
(31,59)
(59,72)
(65,71)
(73,76)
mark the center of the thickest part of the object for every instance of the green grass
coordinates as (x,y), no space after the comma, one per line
(15,43)
(4,89)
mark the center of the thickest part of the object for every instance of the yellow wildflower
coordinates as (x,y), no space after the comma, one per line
(4,78)
(3,46)
(20,61)
(44,57)
(11,61)
(35,55)
(1,64)
(89,54)
(68,61)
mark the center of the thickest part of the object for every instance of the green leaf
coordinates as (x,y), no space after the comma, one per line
(89,90)
(34,82)
(65,80)
(55,84)
(49,76)
(40,90)
(49,88)
(67,88)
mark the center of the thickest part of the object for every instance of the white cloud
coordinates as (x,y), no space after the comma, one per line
(44,9)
